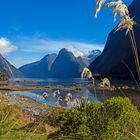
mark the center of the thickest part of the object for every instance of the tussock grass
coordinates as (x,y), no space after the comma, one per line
(86,73)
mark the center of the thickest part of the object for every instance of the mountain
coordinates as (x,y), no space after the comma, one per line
(93,55)
(89,58)
(39,69)
(83,60)
(66,65)
(117,55)
(9,70)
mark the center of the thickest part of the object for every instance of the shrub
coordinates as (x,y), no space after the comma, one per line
(114,119)
(70,120)
(73,124)
(124,115)
(117,118)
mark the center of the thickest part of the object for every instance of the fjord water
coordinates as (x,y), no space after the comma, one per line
(93,94)
(51,100)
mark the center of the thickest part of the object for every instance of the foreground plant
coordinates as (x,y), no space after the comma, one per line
(126,23)
(86,73)
(105,83)
(116,118)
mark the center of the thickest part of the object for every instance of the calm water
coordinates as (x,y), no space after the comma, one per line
(93,94)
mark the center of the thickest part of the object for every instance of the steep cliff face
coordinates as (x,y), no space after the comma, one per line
(39,69)
(7,69)
(118,51)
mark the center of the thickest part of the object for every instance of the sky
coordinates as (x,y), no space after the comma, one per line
(30,29)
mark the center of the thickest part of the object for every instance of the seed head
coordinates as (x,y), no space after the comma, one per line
(56,93)
(86,73)
(126,23)
(98,6)
(119,7)
(45,94)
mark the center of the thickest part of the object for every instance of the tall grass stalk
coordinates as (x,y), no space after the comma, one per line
(131,74)
(134,136)
(135,51)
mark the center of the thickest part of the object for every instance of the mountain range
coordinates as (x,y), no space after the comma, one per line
(63,65)
(116,60)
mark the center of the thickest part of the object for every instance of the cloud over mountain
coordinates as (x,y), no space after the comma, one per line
(6,47)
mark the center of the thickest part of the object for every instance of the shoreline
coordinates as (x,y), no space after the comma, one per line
(100,93)
(31,88)
(30,107)
(14,85)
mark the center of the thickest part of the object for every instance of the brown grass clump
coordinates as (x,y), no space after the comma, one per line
(16,88)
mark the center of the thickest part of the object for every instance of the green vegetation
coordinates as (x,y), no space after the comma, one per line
(115,119)
(15,125)
(3,76)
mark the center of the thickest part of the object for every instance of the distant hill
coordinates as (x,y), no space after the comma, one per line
(39,69)
(118,51)
(8,69)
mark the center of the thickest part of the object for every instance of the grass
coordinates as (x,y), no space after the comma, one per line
(135,51)
(15,125)
(116,118)
(89,121)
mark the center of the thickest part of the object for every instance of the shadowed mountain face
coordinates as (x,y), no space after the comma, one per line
(9,70)
(39,69)
(67,65)
(118,53)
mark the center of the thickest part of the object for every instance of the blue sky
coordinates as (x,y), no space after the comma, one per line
(29,29)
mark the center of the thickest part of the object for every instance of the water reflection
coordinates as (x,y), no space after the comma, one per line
(50,99)
(94,94)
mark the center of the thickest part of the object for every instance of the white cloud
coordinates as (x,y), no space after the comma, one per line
(6,47)
(38,44)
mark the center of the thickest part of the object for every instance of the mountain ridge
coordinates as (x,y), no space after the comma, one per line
(39,69)
(65,59)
